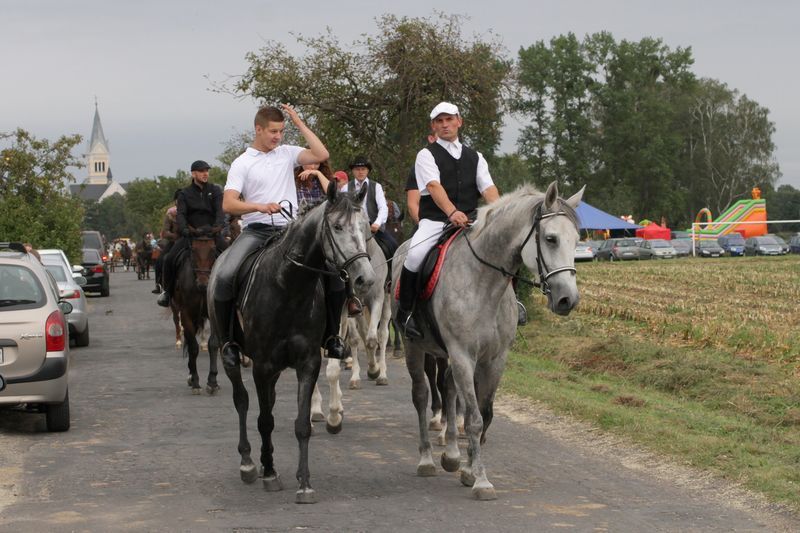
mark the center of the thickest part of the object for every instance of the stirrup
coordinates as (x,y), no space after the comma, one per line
(522,314)
(230,354)
(354,306)
(336,348)
(163,299)
(409,327)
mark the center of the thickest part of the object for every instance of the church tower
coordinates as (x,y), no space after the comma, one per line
(97,160)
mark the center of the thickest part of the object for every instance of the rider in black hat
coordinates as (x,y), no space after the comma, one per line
(375,203)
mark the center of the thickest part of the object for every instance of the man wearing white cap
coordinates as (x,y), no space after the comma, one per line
(451,177)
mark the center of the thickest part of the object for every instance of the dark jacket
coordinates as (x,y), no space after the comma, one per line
(198,207)
(459,179)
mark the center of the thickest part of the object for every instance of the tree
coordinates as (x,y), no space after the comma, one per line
(35,204)
(730,146)
(374,96)
(784,204)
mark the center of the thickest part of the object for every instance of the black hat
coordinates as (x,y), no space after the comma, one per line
(200,165)
(360,161)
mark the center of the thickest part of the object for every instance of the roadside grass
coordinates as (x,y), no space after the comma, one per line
(697,359)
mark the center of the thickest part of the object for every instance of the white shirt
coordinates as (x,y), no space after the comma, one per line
(380,199)
(427,171)
(264,178)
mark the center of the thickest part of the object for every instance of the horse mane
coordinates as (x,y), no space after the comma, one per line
(518,202)
(344,202)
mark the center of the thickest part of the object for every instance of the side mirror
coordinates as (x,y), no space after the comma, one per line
(65,307)
(80,280)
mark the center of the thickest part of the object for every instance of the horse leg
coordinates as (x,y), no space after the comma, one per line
(436,399)
(382,332)
(415,362)
(398,344)
(307,375)
(464,377)
(241,400)
(316,405)
(212,387)
(265,387)
(451,457)
(191,348)
(351,335)
(335,409)
(176,319)
(369,333)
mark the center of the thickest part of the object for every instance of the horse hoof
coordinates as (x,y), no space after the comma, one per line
(196,391)
(317,417)
(272,484)
(426,470)
(333,430)
(467,479)
(450,464)
(435,425)
(248,473)
(484,492)
(355,385)
(212,389)
(305,496)
(382,381)
(373,375)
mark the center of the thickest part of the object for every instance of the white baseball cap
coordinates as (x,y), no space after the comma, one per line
(444,108)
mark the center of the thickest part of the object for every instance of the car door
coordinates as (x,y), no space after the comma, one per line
(23,314)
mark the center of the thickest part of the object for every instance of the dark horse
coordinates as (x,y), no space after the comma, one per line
(144,256)
(283,320)
(190,302)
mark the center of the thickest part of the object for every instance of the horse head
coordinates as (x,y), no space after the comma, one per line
(204,252)
(345,234)
(551,251)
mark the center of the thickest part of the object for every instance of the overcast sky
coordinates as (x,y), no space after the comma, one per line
(149,62)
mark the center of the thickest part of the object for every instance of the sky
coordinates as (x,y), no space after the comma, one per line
(151,64)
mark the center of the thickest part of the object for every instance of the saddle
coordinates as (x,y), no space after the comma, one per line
(244,275)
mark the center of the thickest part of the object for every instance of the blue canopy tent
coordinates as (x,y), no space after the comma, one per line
(592,218)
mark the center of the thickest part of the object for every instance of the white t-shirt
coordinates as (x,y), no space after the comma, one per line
(426,170)
(264,178)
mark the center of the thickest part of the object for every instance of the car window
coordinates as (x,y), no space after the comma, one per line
(20,288)
(765,240)
(91,240)
(57,271)
(91,256)
(626,242)
(659,244)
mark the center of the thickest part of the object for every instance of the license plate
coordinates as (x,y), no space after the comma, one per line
(714,255)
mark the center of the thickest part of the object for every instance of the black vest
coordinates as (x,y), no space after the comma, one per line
(372,203)
(458,177)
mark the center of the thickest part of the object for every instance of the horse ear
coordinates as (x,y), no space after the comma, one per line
(575,199)
(551,196)
(332,191)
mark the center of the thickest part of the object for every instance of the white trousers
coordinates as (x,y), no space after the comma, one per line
(423,240)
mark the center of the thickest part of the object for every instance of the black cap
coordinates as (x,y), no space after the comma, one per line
(200,165)
(360,161)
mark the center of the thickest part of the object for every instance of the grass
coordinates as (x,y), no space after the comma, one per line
(698,359)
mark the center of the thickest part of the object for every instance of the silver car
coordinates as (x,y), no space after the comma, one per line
(656,249)
(34,338)
(584,251)
(70,288)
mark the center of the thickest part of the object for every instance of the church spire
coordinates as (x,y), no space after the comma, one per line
(97,160)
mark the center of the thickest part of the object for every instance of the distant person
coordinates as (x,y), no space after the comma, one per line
(312,182)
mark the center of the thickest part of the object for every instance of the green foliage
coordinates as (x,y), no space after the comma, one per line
(374,96)
(35,205)
(784,204)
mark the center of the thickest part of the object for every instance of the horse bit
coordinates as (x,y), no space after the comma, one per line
(541,265)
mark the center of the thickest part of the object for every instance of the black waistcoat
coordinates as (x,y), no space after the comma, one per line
(458,177)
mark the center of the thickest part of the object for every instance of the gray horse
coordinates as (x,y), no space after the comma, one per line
(475,308)
(283,321)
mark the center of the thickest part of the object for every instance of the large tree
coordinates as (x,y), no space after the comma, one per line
(35,204)
(374,95)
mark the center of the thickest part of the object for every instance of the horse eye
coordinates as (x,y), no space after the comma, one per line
(552,239)
(337,227)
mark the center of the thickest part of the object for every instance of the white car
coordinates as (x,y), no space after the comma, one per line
(70,289)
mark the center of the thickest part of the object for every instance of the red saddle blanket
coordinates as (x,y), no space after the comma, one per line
(437,254)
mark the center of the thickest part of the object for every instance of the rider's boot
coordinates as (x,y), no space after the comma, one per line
(163,298)
(335,348)
(223,316)
(408,292)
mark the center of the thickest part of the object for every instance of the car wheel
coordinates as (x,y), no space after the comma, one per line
(82,339)
(57,415)
(611,257)
(104,290)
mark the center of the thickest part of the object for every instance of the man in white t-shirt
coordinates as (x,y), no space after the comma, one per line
(259,182)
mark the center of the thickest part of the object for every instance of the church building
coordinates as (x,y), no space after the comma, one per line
(99,183)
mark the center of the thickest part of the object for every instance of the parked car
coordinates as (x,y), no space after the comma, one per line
(618,250)
(683,247)
(783,244)
(794,244)
(94,240)
(584,252)
(656,249)
(76,270)
(95,272)
(34,338)
(762,245)
(680,235)
(70,288)
(732,243)
(708,248)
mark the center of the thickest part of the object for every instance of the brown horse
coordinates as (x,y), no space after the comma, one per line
(190,304)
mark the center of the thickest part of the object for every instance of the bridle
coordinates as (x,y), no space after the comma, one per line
(341,269)
(545,273)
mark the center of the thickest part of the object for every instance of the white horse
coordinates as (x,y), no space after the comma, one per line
(476,312)
(370,329)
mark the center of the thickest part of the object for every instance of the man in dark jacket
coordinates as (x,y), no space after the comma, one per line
(199,213)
